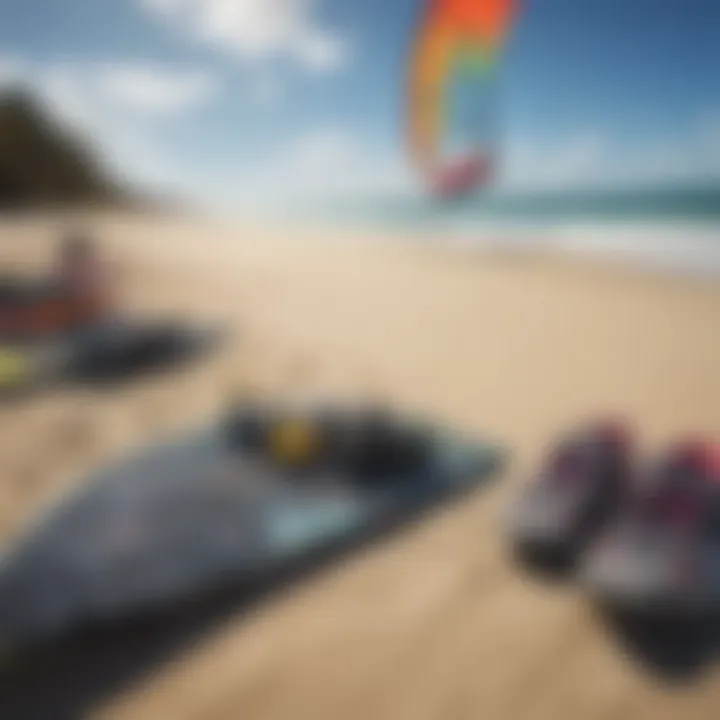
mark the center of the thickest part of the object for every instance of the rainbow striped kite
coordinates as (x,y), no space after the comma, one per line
(451,93)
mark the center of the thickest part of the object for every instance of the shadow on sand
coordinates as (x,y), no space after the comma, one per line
(66,679)
(548,566)
(671,649)
(675,651)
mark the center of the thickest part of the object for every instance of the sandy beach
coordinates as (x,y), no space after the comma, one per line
(435,624)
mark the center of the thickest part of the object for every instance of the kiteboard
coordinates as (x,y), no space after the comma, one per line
(103,353)
(227,504)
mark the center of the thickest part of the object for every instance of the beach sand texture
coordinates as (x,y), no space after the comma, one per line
(435,623)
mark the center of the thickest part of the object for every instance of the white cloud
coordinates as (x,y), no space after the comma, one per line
(66,91)
(258,30)
(12,70)
(325,163)
(155,90)
(579,160)
(81,93)
(113,102)
(311,164)
(326,152)
(595,159)
(321,52)
(114,105)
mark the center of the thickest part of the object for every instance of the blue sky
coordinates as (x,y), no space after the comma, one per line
(242,100)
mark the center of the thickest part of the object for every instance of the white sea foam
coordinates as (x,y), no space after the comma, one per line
(677,248)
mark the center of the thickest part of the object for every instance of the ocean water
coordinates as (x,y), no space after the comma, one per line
(673,229)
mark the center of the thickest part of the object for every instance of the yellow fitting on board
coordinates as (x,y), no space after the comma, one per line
(14,367)
(295,442)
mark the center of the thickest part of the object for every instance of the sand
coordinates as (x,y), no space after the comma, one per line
(436,623)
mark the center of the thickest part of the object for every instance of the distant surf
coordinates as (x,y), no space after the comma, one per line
(669,229)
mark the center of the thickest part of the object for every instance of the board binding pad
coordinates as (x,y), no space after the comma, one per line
(212,510)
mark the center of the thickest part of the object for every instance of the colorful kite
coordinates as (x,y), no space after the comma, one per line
(452,91)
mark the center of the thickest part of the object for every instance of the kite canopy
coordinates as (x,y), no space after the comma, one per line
(452,73)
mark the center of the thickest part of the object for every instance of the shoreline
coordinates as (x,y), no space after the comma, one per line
(679,246)
(677,249)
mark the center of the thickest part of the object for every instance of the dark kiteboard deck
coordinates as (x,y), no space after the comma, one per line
(102,354)
(186,519)
(121,349)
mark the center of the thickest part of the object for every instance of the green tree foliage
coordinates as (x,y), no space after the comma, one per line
(41,162)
